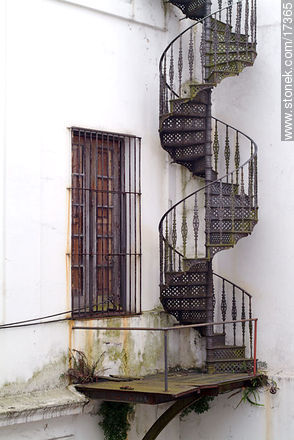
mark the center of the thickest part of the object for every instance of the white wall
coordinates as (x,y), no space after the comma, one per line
(66,65)
(263,264)
(224,421)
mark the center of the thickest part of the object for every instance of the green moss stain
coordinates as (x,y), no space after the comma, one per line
(132,353)
(48,377)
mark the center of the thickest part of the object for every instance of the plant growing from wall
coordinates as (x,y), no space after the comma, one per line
(116,417)
(82,369)
(251,393)
(201,406)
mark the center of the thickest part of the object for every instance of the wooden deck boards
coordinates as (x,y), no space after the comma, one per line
(150,389)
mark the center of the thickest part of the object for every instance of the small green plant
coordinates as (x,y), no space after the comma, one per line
(116,417)
(82,370)
(201,406)
(251,393)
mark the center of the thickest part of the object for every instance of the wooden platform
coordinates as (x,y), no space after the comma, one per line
(150,389)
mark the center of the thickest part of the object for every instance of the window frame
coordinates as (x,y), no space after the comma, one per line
(92,268)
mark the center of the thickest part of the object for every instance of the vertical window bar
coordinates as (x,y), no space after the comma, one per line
(135,222)
(92,222)
(81,226)
(109,249)
(123,224)
(140,231)
(73,208)
(102,226)
(95,211)
(130,228)
(87,223)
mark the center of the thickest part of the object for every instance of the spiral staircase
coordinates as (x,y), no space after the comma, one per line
(224,206)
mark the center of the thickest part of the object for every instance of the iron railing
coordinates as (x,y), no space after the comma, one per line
(232,211)
(233,302)
(186,63)
(166,330)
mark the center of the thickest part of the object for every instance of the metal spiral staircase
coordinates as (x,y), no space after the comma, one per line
(224,207)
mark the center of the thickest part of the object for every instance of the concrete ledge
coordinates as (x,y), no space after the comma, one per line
(41,405)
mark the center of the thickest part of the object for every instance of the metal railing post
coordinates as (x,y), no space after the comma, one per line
(255,346)
(165,362)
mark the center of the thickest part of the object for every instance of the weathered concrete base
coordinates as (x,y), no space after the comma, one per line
(41,405)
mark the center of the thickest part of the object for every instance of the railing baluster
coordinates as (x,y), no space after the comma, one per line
(166,248)
(255,186)
(234,314)
(252,23)
(230,4)
(220,5)
(221,211)
(208,214)
(255,20)
(161,255)
(203,50)
(250,179)
(243,316)
(238,26)
(215,40)
(191,54)
(224,305)
(227,152)
(237,157)
(243,200)
(247,24)
(171,69)
(184,228)
(227,36)
(232,209)
(174,237)
(250,328)
(165,87)
(216,147)
(170,241)
(196,225)
(180,65)
(213,299)
(161,95)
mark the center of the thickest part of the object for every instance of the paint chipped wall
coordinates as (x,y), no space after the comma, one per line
(137,353)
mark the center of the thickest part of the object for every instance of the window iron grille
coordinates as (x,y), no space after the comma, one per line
(106,224)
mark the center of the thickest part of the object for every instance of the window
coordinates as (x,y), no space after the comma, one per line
(106,224)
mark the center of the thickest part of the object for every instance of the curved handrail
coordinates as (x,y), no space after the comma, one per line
(233,284)
(168,239)
(219,179)
(199,21)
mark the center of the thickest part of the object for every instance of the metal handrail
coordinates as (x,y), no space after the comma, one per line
(233,284)
(165,330)
(217,180)
(199,21)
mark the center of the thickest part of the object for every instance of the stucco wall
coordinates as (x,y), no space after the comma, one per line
(64,65)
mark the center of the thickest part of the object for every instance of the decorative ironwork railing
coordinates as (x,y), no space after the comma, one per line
(192,56)
(189,232)
(234,303)
(217,215)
